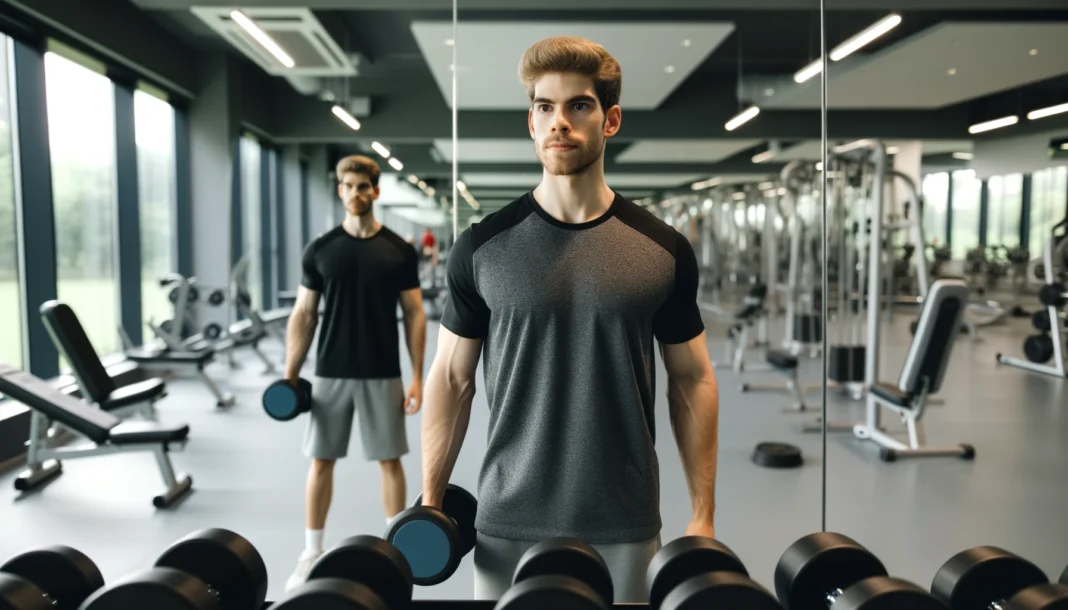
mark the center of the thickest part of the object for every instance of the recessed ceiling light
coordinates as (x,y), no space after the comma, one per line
(1034,51)
(963,156)
(951,71)
(892,150)
(669,69)
(769,92)
(449,42)
(686,42)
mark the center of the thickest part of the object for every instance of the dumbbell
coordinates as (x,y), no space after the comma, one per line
(990,578)
(699,572)
(283,401)
(48,578)
(360,573)
(1054,295)
(432,540)
(211,569)
(829,571)
(564,573)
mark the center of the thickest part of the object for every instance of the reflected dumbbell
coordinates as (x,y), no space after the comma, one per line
(434,541)
(828,571)
(48,578)
(360,573)
(564,573)
(212,569)
(990,578)
(696,572)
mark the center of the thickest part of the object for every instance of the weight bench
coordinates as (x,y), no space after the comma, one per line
(96,384)
(752,311)
(246,333)
(163,360)
(107,435)
(785,363)
(922,375)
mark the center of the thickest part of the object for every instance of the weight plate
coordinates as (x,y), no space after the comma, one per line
(65,574)
(429,541)
(1050,596)
(719,590)
(192,294)
(331,594)
(462,506)
(1040,320)
(884,593)
(157,588)
(570,557)
(216,298)
(556,592)
(172,296)
(1052,294)
(682,559)
(777,455)
(213,331)
(225,561)
(820,563)
(371,561)
(1038,348)
(984,574)
(16,592)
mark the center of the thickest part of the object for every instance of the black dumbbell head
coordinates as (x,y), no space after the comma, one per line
(226,562)
(66,575)
(1050,596)
(885,593)
(20,594)
(332,594)
(976,577)
(370,561)
(684,558)
(284,402)
(1052,295)
(571,557)
(718,590)
(555,592)
(157,588)
(818,564)
(429,541)
(461,506)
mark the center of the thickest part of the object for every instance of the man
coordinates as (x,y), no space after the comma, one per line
(360,269)
(565,289)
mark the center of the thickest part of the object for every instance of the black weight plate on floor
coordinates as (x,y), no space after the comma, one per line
(984,574)
(462,506)
(684,558)
(225,561)
(571,557)
(884,593)
(1050,596)
(371,561)
(551,592)
(20,594)
(777,455)
(158,589)
(332,594)
(429,541)
(65,574)
(719,590)
(819,563)
(1038,348)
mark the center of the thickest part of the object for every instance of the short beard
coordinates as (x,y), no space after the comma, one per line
(571,167)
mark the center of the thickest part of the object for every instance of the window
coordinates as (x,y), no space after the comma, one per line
(1004,209)
(154,129)
(965,212)
(81,136)
(935,195)
(1049,188)
(10,298)
(251,204)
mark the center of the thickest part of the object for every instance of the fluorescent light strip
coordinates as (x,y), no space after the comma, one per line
(346,118)
(747,115)
(704,184)
(963,156)
(397,165)
(808,71)
(995,124)
(765,186)
(460,185)
(1042,113)
(738,196)
(864,38)
(767,155)
(382,150)
(413,179)
(261,37)
(421,184)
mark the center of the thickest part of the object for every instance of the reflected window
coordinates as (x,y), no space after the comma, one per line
(935,200)
(1049,190)
(81,137)
(965,235)
(1004,209)
(154,129)
(252,236)
(10,292)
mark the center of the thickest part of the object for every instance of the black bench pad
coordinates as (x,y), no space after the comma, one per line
(134,432)
(135,393)
(781,360)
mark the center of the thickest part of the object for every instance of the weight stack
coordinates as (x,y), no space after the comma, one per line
(808,328)
(845,363)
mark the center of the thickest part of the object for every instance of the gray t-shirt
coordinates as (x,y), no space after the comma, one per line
(568,314)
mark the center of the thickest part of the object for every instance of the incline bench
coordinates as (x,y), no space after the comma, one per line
(107,434)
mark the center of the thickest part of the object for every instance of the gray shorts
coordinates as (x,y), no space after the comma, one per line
(380,405)
(496,560)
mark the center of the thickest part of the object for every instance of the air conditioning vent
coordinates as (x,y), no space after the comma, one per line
(296,30)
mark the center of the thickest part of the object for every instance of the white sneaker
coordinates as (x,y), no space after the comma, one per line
(304,565)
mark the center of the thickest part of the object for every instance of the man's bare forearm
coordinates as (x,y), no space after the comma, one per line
(415,332)
(694,407)
(299,334)
(445,418)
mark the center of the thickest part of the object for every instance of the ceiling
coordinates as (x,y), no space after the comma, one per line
(687,70)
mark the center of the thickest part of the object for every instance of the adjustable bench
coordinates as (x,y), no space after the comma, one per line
(106,434)
(246,333)
(96,384)
(164,360)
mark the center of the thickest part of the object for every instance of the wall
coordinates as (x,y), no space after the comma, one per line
(1021,154)
(323,205)
(293,247)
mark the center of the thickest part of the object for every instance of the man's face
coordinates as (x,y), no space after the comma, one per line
(356,193)
(567,123)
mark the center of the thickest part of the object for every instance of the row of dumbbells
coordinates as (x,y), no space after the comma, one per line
(217,569)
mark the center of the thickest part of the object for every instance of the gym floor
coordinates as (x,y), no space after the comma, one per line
(248,474)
